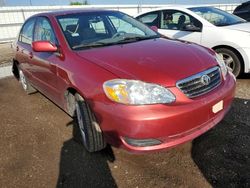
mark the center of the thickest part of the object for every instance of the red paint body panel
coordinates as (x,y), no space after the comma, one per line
(172,124)
(159,57)
(159,61)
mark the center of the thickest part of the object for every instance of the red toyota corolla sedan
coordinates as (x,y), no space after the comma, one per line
(125,84)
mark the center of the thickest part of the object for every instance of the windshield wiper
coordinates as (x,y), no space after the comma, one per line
(121,41)
(90,45)
(135,38)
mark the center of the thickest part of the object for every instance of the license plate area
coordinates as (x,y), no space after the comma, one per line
(218,107)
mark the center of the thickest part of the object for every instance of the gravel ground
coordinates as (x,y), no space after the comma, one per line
(38,150)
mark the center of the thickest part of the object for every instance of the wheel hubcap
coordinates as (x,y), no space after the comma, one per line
(23,80)
(80,122)
(228,60)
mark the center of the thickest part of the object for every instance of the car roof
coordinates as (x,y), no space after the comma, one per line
(245,3)
(72,11)
(177,7)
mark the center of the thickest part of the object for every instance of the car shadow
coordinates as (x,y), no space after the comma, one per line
(245,76)
(223,154)
(79,168)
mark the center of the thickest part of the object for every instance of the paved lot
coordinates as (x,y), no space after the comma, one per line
(38,150)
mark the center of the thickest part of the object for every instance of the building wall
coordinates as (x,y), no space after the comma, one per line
(11,18)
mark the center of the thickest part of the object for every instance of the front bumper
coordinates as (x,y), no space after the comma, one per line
(172,124)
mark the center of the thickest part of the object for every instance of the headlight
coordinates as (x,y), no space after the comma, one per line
(223,67)
(136,92)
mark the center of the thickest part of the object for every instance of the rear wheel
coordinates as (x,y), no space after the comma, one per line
(91,133)
(231,59)
(25,83)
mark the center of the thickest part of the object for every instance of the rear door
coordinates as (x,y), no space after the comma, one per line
(24,49)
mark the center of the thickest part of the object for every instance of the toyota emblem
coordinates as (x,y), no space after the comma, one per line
(205,80)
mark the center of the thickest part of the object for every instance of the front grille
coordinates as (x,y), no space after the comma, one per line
(200,83)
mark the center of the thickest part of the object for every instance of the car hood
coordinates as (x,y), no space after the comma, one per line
(240,27)
(160,61)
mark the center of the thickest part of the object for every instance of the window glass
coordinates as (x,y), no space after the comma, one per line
(150,19)
(175,20)
(216,16)
(44,31)
(123,26)
(102,28)
(27,32)
(97,24)
(67,22)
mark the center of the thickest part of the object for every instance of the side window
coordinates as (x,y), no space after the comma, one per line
(26,33)
(44,31)
(177,20)
(150,19)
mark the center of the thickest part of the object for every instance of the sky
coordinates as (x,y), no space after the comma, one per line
(113,2)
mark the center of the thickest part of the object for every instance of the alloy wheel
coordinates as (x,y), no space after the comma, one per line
(23,80)
(228,59)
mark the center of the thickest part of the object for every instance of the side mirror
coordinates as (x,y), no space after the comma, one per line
(43,46)
(154,28)
(191,27)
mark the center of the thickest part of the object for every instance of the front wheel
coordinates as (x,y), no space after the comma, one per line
(232,60)
(91,133)
(25,83)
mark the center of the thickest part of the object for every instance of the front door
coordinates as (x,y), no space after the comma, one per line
(45,63)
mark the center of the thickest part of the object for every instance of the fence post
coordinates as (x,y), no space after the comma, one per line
(23,15)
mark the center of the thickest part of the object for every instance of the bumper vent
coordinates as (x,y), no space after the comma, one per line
(200,83)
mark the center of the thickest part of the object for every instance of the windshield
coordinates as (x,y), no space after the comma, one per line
(95,29)
(216,16)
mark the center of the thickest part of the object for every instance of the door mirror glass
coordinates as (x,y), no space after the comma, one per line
(43,46)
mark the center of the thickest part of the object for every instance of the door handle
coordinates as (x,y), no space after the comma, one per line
(30,55)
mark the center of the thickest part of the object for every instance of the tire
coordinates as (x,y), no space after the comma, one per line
(91,133)
(231,59)
(25,83)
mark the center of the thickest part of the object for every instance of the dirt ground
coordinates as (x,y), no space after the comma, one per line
(5,53)
(38,150)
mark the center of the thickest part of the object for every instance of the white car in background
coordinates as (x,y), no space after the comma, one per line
(225,33)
